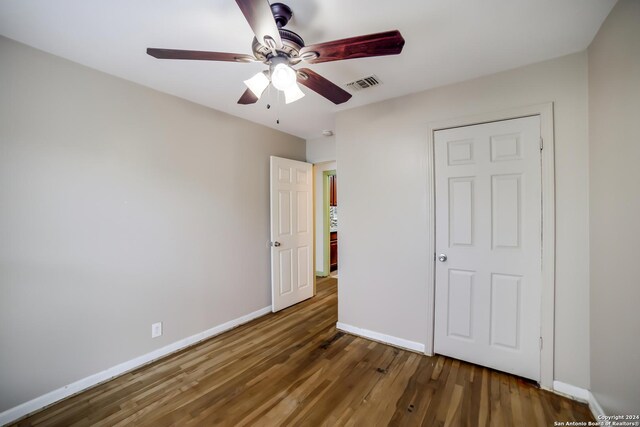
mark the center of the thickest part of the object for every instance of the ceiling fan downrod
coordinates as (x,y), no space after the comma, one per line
(281,13)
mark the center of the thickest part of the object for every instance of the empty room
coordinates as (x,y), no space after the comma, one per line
(319,213)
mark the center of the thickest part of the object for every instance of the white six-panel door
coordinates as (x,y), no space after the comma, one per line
(488,226)
(291,232)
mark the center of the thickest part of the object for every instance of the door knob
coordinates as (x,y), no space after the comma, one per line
(442,257)
(276,244)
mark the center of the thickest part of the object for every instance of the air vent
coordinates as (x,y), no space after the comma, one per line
(364,83)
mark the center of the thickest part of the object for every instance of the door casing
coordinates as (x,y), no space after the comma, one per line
(547,301)
(325,218)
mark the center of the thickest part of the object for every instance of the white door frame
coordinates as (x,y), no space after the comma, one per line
(547,303)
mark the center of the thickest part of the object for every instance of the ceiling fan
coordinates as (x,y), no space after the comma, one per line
(280,49)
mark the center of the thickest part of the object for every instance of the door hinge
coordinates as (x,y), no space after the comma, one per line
(540,343)
(541,144)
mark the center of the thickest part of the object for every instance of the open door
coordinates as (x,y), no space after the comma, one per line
(291,232)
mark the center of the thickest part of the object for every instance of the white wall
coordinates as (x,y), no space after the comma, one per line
(321,149)
(119,207)
(319,211)
(614,110)
(383,202)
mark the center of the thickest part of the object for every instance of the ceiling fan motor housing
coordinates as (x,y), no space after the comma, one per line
(292,42)
(291,45)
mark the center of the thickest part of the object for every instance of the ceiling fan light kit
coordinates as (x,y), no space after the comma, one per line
(281,49)
(258,83)
(292,94)
(282,75)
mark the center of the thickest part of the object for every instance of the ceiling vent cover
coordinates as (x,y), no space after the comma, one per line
(364,83)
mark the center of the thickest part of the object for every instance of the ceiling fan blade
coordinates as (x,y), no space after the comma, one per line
(260,18)
(248,97)
(322,86)
(379,44)
(198,55)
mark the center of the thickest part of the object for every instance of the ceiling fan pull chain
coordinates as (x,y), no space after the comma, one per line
(269,95)
(278,107)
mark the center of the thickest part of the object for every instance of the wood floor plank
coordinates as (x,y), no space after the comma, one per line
(294,368)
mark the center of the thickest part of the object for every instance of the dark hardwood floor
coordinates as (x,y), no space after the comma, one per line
(294,368)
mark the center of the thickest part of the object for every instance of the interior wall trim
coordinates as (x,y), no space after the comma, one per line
(572,391)
(76,387)
(326,222)
(383,338)
(596,409)
(582,395)
(547,300)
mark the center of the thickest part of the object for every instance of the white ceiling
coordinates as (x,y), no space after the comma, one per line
(446,41)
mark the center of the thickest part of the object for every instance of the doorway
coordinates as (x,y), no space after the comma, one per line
(547,297)
(325,208)
(330,210)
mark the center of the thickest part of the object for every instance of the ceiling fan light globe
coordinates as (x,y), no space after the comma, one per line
(257,84)
(283,77)
(293,93)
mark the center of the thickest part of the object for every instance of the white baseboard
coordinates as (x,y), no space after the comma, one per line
(571,391)
(40,402)
(595,407)
(581,394)
(385,339)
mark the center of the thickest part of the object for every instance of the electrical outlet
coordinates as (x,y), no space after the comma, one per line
(156,330)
